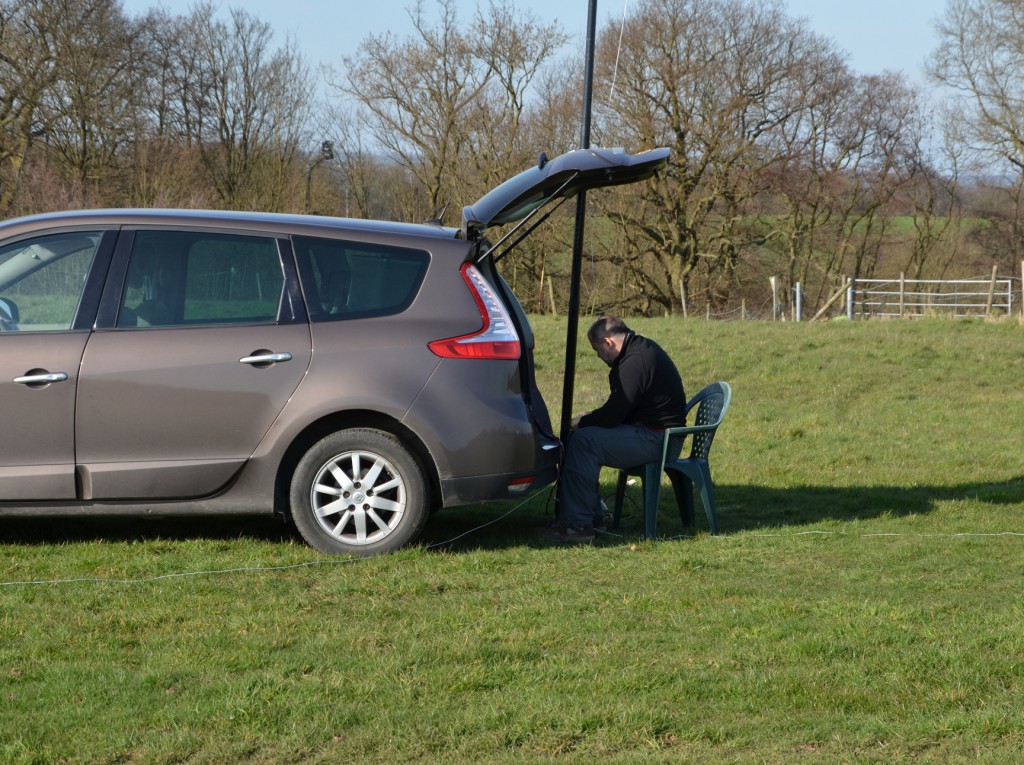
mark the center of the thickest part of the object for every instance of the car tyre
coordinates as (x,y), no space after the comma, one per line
(359,492)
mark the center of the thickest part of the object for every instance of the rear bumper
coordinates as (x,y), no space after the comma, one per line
(487,488)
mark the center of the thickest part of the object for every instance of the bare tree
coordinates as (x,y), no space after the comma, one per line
(936,201)
(515,48)
(33,39)
(448,104)
(817,151)
(165,166)
(357,182)
(538,268)
(418,94)
(980,59)
(853,149)
(714,80)
(90,107)
(246,106)
(554,115)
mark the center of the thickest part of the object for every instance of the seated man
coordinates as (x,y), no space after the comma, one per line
(646,397)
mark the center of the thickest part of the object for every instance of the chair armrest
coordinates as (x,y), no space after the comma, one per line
(690,429)
(683,431)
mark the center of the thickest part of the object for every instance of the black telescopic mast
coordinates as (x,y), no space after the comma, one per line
(577,242)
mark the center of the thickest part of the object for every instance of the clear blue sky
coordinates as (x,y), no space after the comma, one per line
(876,34)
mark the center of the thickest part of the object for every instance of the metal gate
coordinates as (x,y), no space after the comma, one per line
(929,297)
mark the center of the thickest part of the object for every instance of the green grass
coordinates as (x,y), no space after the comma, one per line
(57,310)
(860,606)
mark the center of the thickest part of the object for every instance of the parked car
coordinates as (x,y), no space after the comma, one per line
(351,374)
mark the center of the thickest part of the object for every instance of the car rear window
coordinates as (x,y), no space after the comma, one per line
(350,280)
(180,278)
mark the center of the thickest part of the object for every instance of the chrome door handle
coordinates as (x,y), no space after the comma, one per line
(266,358)
(42,379)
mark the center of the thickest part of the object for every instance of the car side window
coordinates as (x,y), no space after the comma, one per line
(42,279)
(186,278)
(350,280)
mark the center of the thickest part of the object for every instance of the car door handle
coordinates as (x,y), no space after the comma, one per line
(42,378)
(265,358)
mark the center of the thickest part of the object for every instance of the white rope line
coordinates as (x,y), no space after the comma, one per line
(601,532)
(618,52)
(180,575)
(254,569)
(949,535)
(722,537)
(485,525)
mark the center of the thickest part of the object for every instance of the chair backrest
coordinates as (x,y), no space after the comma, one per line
(711,404)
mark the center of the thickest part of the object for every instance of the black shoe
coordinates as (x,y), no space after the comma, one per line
(567,535)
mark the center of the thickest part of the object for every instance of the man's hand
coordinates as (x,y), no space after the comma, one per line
(574,425)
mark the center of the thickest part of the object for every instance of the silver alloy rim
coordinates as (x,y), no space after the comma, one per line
(358,497)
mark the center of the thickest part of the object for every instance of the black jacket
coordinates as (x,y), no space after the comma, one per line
(646,389)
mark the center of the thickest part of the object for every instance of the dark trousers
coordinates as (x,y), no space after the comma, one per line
(591,448)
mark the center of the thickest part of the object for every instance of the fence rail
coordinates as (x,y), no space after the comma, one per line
(895,298)
(929,297)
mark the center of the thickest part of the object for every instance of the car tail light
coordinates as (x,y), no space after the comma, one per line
(497,339)
(519,485)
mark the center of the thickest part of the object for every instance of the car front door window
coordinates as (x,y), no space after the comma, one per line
(41,281)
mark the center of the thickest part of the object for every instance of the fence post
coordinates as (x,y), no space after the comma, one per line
(849,299)
(991,293)
(682,296)
(1022,290)
(903,291)
(798,308)
(540,292)
(775,297)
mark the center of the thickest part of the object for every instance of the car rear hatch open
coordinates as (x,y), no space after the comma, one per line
(521,200)
(523,196)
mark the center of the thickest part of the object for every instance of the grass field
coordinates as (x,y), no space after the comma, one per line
(861,605)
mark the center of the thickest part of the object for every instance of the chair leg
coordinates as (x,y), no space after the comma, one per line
(683,488)
(707,496)
(652,492)
(620,495)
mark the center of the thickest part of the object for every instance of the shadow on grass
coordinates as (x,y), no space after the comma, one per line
(740,508)
(506,525)
(751,507)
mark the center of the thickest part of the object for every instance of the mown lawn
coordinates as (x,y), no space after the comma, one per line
(861,605)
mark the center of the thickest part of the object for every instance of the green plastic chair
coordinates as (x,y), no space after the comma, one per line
(684,473)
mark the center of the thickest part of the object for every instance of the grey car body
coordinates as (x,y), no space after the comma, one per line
(351,374)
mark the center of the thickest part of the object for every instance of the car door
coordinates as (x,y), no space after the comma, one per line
(44,320)
(205,351)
